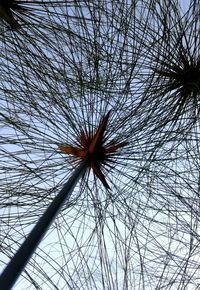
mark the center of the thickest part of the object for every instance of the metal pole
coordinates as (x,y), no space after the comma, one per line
(22,256)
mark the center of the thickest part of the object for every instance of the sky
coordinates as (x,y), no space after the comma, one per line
(65,244)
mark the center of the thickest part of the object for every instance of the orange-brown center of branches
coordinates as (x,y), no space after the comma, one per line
(94,146)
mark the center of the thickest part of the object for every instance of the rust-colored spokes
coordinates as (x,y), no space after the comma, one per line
(94,146)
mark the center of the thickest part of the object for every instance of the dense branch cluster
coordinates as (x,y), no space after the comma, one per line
(120,81)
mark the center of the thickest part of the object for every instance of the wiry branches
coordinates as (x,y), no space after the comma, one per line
(141,61)
(170,68)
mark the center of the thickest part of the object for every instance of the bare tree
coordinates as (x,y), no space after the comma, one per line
(132,221)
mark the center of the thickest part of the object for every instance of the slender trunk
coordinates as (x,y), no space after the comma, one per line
(22,256)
